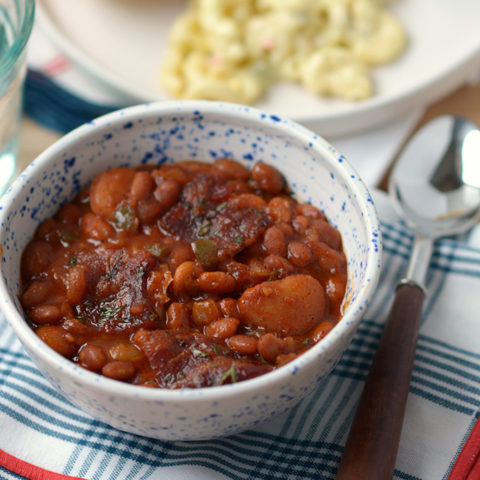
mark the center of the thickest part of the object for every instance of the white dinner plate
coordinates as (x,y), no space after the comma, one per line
(122,43)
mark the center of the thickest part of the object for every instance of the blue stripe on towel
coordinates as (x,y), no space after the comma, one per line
(55,107)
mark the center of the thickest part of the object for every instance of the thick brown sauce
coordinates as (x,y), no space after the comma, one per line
(185,275)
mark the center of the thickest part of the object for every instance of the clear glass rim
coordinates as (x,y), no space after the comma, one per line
(19,45)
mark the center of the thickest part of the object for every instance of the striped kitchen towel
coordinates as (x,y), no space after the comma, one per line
(39,427)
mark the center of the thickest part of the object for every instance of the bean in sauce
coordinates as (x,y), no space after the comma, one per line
(184,276)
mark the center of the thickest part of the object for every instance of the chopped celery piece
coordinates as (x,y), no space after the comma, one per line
(205,251)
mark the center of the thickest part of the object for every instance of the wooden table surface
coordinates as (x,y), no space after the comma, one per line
(465,101)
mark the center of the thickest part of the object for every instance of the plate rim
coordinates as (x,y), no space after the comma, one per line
(372,112)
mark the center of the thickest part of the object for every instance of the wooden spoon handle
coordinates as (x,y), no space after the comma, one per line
(372,443)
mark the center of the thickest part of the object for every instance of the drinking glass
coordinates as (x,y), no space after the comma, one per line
(16,21)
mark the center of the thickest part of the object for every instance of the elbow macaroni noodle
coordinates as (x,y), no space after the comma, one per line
(233,50)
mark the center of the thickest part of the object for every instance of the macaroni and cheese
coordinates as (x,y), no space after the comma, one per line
(233,50)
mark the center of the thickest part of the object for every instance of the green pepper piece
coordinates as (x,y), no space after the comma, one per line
(125,218)
(66,237)
(205,251)
(229,374)
(156,249)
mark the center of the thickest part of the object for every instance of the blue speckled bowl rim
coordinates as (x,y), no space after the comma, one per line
(344,328)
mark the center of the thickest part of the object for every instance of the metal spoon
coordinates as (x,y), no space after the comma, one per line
(435,187)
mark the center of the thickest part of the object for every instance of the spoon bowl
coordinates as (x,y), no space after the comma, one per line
(434,184)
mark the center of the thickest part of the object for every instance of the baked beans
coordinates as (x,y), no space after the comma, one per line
(184,276)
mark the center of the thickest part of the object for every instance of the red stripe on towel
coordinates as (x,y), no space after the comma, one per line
(56,65)
(467,465)
(29,471)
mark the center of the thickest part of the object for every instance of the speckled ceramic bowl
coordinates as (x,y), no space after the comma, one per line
(166,132)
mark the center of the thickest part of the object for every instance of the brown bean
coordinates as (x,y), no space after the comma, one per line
(232,169)
(222,328)
(118,370)
(240,272)
(36,293)
(269,346)
(147,210)
(228,307)
(268,178)
(300,224)
(281,266)
(76,284)
(179,255)
(125,352)
(68,213)
(177,316)
(238,186)
(166,193)
(280,210)
(57,298)
(58,339)
(96,227)
(284,358)
(192,166)
(299,254)
(44,314)
(258,270)
(205,312)
(47,230)
(147,383)
(329,259)
(138,308)
(247,200)
(286,229)
(171,172)
(109,189)
(291,306)
(154,341)
(142,186)
(169,243)
(92,357)
(308,210)
(322,231)
(335,290)
(274,242)
(65,308)
(217,283)
(37,257)
(184,279)
(74,326)
(321,330)
(243,344)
